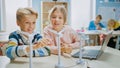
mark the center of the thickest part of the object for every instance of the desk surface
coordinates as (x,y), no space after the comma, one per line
(109,59)
(95,32)
(116,33)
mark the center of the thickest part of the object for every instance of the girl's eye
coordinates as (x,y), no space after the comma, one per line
(33,22)
(60,17)
(53,17)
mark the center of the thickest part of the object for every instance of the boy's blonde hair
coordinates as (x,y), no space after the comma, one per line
(62,9)
(22,12)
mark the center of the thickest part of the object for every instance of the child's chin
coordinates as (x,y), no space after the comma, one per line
(30,32)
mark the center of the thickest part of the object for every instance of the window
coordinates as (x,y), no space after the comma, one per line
(2,15)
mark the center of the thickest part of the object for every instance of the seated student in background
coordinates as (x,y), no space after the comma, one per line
(113,25)
(58,22)
(96,25)
(18,45)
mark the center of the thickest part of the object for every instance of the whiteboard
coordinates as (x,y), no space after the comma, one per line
(117,15)
(107,13)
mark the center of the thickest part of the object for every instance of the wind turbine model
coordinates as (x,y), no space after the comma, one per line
(30,36)
(80,60)
(59,65)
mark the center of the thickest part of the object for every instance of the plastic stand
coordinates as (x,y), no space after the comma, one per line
(80,60)
(31,51)
(59,65)
(30,36)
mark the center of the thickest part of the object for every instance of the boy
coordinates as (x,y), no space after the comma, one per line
(18,45)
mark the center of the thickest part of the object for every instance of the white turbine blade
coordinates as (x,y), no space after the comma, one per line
(61,31)
(53,31)
(24,33)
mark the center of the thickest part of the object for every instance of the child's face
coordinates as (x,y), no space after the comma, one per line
(57,20)
(111,24)
(27,24)
(98,20)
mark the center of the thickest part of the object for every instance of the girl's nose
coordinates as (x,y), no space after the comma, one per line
(57,19)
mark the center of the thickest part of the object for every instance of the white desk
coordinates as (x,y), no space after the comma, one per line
(109,59)
(94,33)
(4,61)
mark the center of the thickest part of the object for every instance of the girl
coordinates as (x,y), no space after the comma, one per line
(58,19)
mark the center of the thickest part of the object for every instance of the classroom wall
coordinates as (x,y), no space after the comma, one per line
(11,7)
(36,5)
(82,11)
(108,9)
(2,16)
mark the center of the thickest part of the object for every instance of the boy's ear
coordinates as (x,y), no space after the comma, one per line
(18,23)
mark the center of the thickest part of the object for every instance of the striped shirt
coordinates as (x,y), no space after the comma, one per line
(18,43)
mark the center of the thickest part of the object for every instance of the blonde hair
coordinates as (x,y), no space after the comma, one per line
(111,20)
(62,9)
(22,12)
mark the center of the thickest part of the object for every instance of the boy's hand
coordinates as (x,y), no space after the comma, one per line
(98,27)
(42,43)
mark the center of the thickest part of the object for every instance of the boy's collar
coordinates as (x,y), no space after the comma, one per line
(26,33)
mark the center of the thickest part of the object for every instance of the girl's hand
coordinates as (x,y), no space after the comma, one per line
(66,49)
(64,44)
(54,50)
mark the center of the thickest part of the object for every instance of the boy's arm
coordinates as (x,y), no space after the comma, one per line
(40,49)
(91,26)
(13,50)
(41,52)
(102,26)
